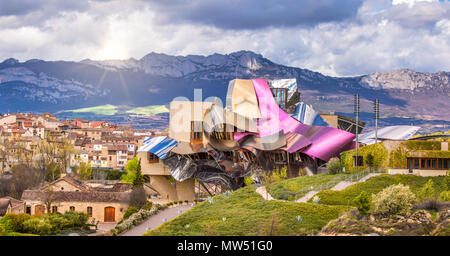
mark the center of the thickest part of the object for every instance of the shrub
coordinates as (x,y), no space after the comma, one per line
(362,202)
(148,206)
(2,231)
(136,218)
(427,191)
(138,197)
(38,226)
(129,212)
(248,181)
(445,196)
(76,219)
(14,222)
(57,221)
(334,165)
(447,181)
(395,199)
(316,199)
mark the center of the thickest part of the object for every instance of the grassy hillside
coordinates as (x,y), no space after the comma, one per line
(292,189)
(246,213)
(149,110)
(375,185)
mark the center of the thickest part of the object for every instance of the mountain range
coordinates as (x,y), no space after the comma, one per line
(406,96)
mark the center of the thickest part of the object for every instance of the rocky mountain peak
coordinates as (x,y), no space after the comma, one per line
(10,61)
(406,79)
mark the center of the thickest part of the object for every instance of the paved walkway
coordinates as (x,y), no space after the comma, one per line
(103,227)
(340,186)
(156,220)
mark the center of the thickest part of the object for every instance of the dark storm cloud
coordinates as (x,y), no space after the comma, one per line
(50,7)
(254,14)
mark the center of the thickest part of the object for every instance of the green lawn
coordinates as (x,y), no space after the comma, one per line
(107,110)
(292,189)
(246,213)
(375,185)
(149,110)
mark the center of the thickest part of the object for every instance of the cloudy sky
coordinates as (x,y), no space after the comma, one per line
(335,37)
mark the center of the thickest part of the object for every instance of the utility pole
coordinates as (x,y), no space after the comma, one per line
(377,115)
(69,140)
(357,130)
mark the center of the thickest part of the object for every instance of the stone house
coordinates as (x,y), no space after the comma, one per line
(69,194)
(11,205)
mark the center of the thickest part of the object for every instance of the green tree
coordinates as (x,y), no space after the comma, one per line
(362,202)
(139,178)
(370,161)
(334,165)
(84,171)
(427,191)
(130,171)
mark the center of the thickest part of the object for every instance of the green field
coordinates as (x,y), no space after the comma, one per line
(109,110)
(149,110)
(378,183)
(246,213)
(292,189)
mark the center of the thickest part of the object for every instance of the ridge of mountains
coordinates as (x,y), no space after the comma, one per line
(406,96)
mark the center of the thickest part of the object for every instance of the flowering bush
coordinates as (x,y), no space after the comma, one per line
(316,199)
(136,218)
(395,199)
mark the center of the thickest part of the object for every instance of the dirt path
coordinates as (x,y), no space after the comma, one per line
(340,186)
(156,220)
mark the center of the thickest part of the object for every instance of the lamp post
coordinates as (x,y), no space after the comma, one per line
(376,109)
(357,129)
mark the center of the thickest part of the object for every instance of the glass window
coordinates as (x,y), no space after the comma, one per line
(446,163)
(360,161)
(416,163)
(428,163)
(439,163)
(89,211)
(54,209)
(433,163)
(422,163)
(72,208)
(196,130)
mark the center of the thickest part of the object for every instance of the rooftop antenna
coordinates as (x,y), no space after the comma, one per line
(357,124)
(376,109)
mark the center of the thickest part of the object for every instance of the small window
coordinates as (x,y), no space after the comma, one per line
(89,211)
(72,208)
(196,131)
(152,158)
(54,209)
(62,188)
(280,95)
(28,210)
(360,161)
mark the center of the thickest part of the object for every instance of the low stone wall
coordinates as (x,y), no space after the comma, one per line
(424,173)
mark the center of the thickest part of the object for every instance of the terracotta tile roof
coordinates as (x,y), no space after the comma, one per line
(118,147)
(71,181)
(7,200)
(79,196)
(4,203)
(118,187)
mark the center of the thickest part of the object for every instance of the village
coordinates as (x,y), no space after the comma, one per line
(80,162)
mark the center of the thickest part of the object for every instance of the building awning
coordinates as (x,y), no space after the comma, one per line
(159,146)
